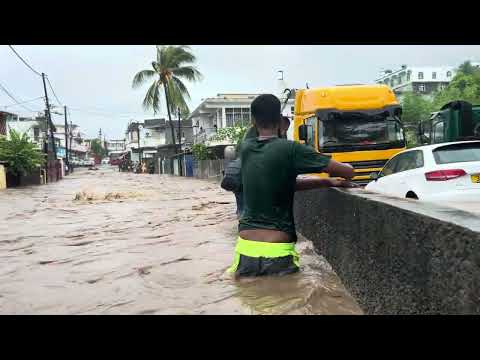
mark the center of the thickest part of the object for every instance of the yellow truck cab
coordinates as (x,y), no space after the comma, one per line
(355,124)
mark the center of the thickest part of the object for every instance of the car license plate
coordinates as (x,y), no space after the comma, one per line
(475,178)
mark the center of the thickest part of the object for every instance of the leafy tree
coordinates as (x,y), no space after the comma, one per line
(200,152)
(467,68)
(97,149)
(464,86)
(20,153)
(233,134)
(173,63)
(415,108)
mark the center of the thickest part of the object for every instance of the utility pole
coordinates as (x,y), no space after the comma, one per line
(66,138)
(45,141)
(179,142)
(71,140)
(49,119)
(138,141)
(179,132)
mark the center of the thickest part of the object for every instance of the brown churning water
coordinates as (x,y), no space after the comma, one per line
(105,242)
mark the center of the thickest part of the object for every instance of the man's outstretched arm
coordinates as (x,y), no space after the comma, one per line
(338,169)
(308,183)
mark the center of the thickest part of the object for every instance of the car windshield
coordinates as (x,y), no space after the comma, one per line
(359,129)
(454,153)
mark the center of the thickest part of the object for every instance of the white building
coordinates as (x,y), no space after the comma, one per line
(155,134)
(224,110)
(34,128)
(421,80)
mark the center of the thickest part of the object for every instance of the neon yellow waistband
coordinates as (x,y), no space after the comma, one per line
(264,249)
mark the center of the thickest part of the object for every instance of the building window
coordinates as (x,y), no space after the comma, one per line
(420,75)
(408,75)
(237,116)
(449,74)
(229,117)
(421,88)
(36,134)
(434,75)
(245,116)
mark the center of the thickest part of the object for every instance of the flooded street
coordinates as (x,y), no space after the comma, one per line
(104,242)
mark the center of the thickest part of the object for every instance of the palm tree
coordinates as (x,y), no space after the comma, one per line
(173,64)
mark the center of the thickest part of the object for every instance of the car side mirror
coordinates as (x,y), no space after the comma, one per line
(374,176)
(302,132)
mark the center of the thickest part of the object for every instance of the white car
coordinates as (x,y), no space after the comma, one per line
(439,172)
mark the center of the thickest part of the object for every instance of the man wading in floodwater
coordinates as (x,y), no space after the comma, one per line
(252,133)
(269,169)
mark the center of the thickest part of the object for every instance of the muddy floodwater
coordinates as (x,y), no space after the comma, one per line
(104,242)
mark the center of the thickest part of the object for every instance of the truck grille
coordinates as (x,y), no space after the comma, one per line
(371,164)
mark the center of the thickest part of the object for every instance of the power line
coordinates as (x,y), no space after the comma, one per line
(108,114)
(25,102)
(31,68)
(13,98)
(53,91)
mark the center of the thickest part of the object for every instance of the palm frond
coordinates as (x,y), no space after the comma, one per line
(176,57)
(181,87)
(177,96)
(190,73)
(142,77)
(152,98)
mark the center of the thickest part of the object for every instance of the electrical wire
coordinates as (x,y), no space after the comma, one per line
(107,114)
(53,91)
(25,102)
(14,99)
(31,68)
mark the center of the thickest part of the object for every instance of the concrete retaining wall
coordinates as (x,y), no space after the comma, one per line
(395,256)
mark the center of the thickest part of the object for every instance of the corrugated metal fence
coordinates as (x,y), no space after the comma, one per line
(187,165)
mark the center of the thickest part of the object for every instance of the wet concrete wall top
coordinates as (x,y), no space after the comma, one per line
(395,256)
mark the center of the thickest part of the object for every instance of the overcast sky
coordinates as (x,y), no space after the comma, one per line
(95,81)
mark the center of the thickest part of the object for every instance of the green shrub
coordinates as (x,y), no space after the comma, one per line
(21,155)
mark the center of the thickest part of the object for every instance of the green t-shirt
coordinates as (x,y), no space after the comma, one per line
(269,171)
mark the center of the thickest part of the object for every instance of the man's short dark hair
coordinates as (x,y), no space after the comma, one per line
(266,111)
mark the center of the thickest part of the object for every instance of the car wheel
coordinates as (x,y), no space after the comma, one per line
(411,195)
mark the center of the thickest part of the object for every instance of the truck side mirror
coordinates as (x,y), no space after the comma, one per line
(302,132)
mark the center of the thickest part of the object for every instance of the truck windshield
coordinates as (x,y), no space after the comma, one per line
(359,129)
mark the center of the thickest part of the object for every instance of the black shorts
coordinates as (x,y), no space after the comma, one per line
(261,266)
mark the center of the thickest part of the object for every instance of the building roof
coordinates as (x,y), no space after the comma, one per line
(150,123)
(425,69)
